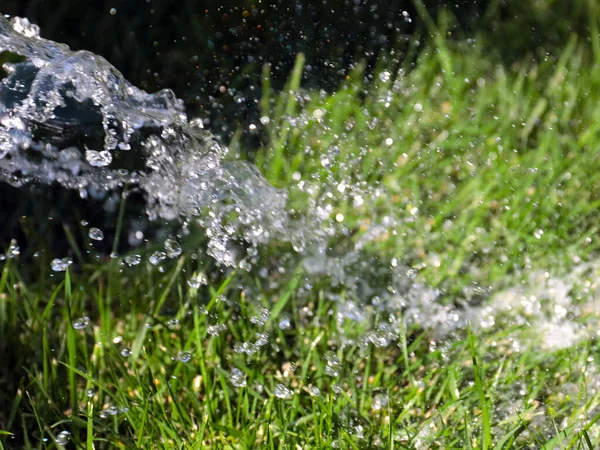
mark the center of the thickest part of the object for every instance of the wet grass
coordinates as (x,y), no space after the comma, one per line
(490,168)
(449,394)
(489,172)
(134,378)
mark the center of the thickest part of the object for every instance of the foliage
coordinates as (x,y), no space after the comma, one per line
(494,171)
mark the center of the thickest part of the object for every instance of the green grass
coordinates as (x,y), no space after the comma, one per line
(495,155)
(480,158)
(447,394)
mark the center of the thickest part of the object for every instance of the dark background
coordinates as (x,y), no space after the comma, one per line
(196,47)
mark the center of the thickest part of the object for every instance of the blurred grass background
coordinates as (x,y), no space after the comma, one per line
(196,48)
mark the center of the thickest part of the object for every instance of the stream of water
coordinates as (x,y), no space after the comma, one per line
(70,118)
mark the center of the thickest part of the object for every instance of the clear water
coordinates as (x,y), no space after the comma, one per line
(70,118)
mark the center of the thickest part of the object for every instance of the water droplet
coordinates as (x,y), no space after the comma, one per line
(90,392)
(60,264)
(318,113)
(215,330)
(173,248)
(285,322)
(197,280)
(380,401)
(184,356)
(63,438)
(261,318)
(359,431)
(250,348)
(126,353)
(22,26)
(245,347)
(334,366)
(98,159)
(157,257)
(237,378)
(197,123)
(385,76)
(133,260)
(172,323)
(314,391)
(113,11)
(265,120)
(282,392)
(13,250)
(262,339)
(96,234)
(81,323)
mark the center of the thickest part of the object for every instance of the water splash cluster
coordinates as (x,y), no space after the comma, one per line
(70,118)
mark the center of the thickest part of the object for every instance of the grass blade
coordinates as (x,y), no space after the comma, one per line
(486,442)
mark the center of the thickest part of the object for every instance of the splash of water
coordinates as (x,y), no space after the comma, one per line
(70,118)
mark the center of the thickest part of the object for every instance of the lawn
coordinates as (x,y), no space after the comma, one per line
(456,306)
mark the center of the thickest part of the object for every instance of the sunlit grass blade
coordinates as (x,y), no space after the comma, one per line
(486,432)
